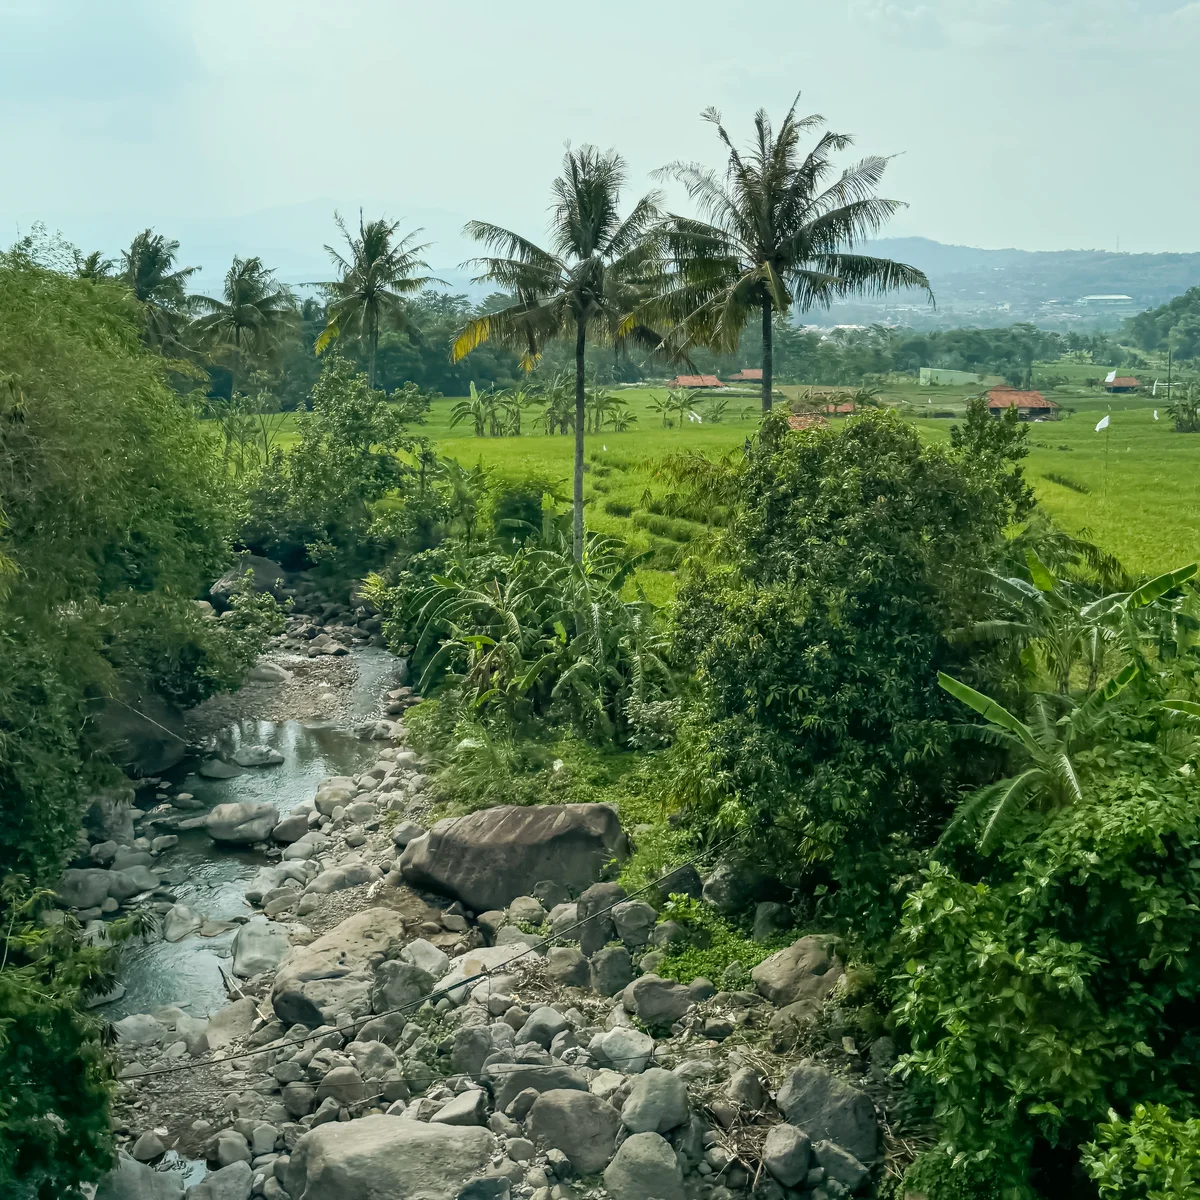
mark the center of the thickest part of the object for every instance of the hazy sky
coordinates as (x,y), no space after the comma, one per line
(241,124)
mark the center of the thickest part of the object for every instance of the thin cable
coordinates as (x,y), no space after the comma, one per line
(437,994)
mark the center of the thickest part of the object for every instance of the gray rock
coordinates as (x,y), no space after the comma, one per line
(791,1024)
(427,956)
(805,970)
(509,1081)
(124,884)
(384,1157)
(634,921)
(215,768)
(770,918)
(563,918)
(229,1183)
(405,832)
(467,1108)
(598,928)
(140,731)
(85,887)
(232,1147)
(257,756)
(344,1084)
(291,829)
(681,881)
(250,572)
(840,1164)
(258,946)
(299,1098)
(242,821)
(139,1029)
(178,921)
(657,1103)
(786,1154)
(655,1001)
(398,984)
(732,886)
(148,1147)
(645,1168)
(131,1180)
(566,966)
(581,1125)
(231,1023)
(526,909)
(745,1087)
(611,970)
(470,1047)
(829,1109)
(670,933)
(488,858)
(333,974)
(345,875)
(624,1048)
(549,894)
(543,1025)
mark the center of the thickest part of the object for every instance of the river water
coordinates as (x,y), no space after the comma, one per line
(211,879)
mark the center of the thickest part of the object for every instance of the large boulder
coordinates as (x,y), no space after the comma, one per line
(130,1180)
(242,821)
(334,974)
(229,1183)
(805,970)
(138,730)
(645,1168)
(581,1125)
(657,1002)
(259,945)
(264,576)
(593,910)
(733,886)
(86,887)
(488,858)
(828,1108)
(377,1157)
(509,1081)
(658,1102)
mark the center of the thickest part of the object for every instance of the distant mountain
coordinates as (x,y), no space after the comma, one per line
(1056,288)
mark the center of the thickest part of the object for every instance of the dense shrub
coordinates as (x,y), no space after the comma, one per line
(817,725)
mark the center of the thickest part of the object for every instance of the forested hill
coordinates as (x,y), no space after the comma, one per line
(1044,286)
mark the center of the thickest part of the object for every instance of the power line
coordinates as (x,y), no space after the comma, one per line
(432,997)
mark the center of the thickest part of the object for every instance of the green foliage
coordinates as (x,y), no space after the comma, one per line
(1172,326)
(997,446)
(716,946)
(1066,983)
(1184,406)
(937,1176)
(818,727)
(56,1078)
(319,501)
(1152,1156)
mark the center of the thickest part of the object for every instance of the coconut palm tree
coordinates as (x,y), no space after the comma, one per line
(148,268)
(373,281)
(249,318)
(772,235)
(597,272)
(93,266)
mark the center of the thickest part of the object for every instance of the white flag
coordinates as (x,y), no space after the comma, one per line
(1156,414)
(1102,423)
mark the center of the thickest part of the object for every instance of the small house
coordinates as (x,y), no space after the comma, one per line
(747,375)
(1115,383)
(695,382)
(1030,406)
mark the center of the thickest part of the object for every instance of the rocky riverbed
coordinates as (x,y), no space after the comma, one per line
(468,1011)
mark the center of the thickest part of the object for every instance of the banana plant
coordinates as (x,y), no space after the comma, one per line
(1057,727)
(474,409)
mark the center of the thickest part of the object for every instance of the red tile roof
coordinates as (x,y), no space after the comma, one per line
(747,375)
(1122,381)
(839,410)
(798,421)
(1012,398)
(695,381)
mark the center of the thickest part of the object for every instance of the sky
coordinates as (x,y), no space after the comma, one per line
(239,126)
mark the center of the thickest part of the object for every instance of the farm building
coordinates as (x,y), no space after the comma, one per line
(845,409)
(1120,383)
(747,375)
(799,421)
(695,381)
(1031,406)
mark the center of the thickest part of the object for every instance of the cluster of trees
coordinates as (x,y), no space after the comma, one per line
(1174,327)
(114,513)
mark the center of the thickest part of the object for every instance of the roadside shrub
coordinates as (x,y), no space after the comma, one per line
(1152,1156)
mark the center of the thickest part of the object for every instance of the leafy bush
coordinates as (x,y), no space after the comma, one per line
(817,726)
(1068,982)
(1151,1156)
(937,1176)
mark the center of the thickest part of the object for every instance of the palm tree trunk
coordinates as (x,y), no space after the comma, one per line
(768,366)
(580,415)
(374,348)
